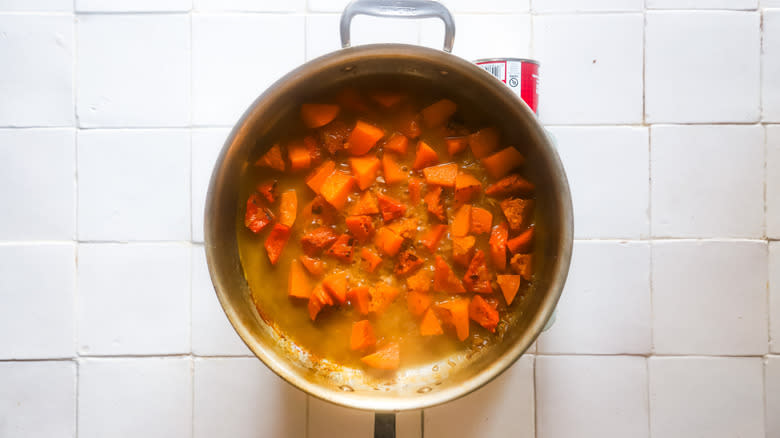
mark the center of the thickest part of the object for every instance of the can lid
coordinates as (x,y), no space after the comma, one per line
(482,60)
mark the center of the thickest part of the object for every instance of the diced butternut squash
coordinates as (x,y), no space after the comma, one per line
(317,177)
(407,263)
(406,228)
(509,285)
(444,280)
(387,99)
(397,143)
(432,237)
(299,156)
(288,208)
(364,169)
(334,136)
(415,190)
(483,313)
(456,145)
(477,278)
(336,189)
(362,227)
(497,243)
(362,336)
(363,137)
(418,302)
(420,282)
(370,259)
(387,241)
(512,185)
(484,142)
(315,266)
(335,285)
(425,156)
(502,162)
(318,300)
(390,208)
(276,241)
(360,299)
(430,325)
(298,283)
(272,159)
(267,190)
(382,295)
(342,248)
(387,358)
(461,223)
(458,310)
(257,215)
(523,264)
(442,175)
(518,212)
(315,115)
(365,205)
(438,113)
(392,171)
(351,99)
(466,188)
(463,250)
(481,220)
(434,203)
(408,124)
(316,240)
(522,243)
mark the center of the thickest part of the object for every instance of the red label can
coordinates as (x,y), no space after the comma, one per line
(520,75)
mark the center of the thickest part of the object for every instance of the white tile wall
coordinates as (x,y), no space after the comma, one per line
(37,5)
(133,70)
(702,4)
(599,396)
(476,35)
(235,57)
(143,194)
(770,65)
(598,317)
(132,397)
(37,90)
(703,301)
(702,67)
(322,32)
(240,397)
(620,79)
(206,145)
(504,407)
(772,391)
(38,168)
(212,334)
(593,5)
(37,300)
(134,298)
(774,297)
(38,399)
(707,181)
(623,154)
(133,5)
(605,51)
(712,397)
(773,181)
(249,5)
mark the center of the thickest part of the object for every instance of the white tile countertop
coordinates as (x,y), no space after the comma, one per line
(667,118)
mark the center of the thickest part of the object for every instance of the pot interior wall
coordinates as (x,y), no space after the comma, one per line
(485,99)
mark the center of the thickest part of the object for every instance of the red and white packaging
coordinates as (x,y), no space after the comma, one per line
(520,75)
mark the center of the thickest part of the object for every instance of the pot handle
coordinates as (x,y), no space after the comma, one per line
(398,9)
(384,425)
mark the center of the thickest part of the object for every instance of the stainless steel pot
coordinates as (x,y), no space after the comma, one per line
(427,385)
